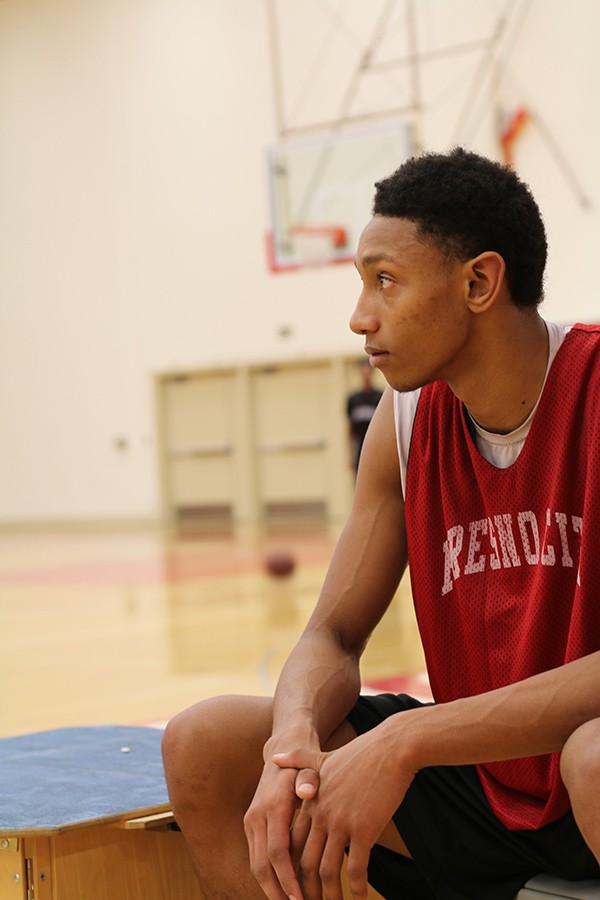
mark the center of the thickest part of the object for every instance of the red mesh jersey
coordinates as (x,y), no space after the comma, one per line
(505,563)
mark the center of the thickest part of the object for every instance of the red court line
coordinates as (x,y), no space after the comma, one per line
(170,567)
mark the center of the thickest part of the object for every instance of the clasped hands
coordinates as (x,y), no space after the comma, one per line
(310,806)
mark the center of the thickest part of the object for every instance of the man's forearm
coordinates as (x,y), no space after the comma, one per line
(529,718)
(317,688)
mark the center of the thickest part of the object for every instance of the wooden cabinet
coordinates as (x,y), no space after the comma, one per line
(98,863)
(256,444)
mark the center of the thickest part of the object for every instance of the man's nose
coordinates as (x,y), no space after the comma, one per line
(362,319)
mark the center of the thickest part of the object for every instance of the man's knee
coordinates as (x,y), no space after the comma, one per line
(220,738)
(189,731)
(580,761)
(186,749)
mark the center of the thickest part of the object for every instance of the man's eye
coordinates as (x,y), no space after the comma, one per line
(384,280)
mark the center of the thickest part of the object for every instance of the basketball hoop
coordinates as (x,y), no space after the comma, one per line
(316,245)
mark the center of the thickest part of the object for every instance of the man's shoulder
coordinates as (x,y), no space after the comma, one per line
(580,352)
(588,327)
(584,335)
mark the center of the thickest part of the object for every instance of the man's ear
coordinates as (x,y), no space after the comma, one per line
(485,276)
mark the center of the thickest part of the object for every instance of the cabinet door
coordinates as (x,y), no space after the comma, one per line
(292,422)
(199,427)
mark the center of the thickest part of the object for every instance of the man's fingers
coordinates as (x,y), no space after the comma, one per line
(284,874)
(330,870)
(356,869)
(299,835)
(310,863)
(279,854)
(267,826)
(271,865)
(307,784)
(261,868)
(308,762)
(300,759)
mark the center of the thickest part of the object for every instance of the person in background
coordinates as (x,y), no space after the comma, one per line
(360,407)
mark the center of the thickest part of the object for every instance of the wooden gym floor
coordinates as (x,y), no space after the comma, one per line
(129,627)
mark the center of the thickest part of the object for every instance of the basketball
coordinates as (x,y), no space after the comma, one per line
(280,563)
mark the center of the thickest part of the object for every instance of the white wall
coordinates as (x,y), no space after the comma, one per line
(133,208)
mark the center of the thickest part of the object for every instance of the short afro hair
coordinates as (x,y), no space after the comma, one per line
(466,204)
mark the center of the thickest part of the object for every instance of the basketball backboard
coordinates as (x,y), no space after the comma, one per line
(321,191)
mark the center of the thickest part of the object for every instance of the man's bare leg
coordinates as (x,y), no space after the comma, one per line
(213,762)
(580,770)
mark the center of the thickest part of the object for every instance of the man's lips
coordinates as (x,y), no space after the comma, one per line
(375,352)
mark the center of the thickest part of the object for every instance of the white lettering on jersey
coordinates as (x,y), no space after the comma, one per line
(531,550)
(577,522)
(502,543)
(476,565)
(452,547)
(510,557)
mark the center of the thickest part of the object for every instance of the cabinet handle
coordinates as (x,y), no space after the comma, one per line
(200,450)
(289,446)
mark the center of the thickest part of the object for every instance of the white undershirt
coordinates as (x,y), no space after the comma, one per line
(501,450)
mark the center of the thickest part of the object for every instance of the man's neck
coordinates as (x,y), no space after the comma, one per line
(510,373)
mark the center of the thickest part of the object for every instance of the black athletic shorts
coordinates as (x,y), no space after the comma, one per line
(459,849)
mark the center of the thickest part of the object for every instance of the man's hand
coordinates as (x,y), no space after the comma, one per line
(268,824)
(360,787)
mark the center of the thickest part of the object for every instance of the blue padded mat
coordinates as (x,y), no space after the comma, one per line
(52,780)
